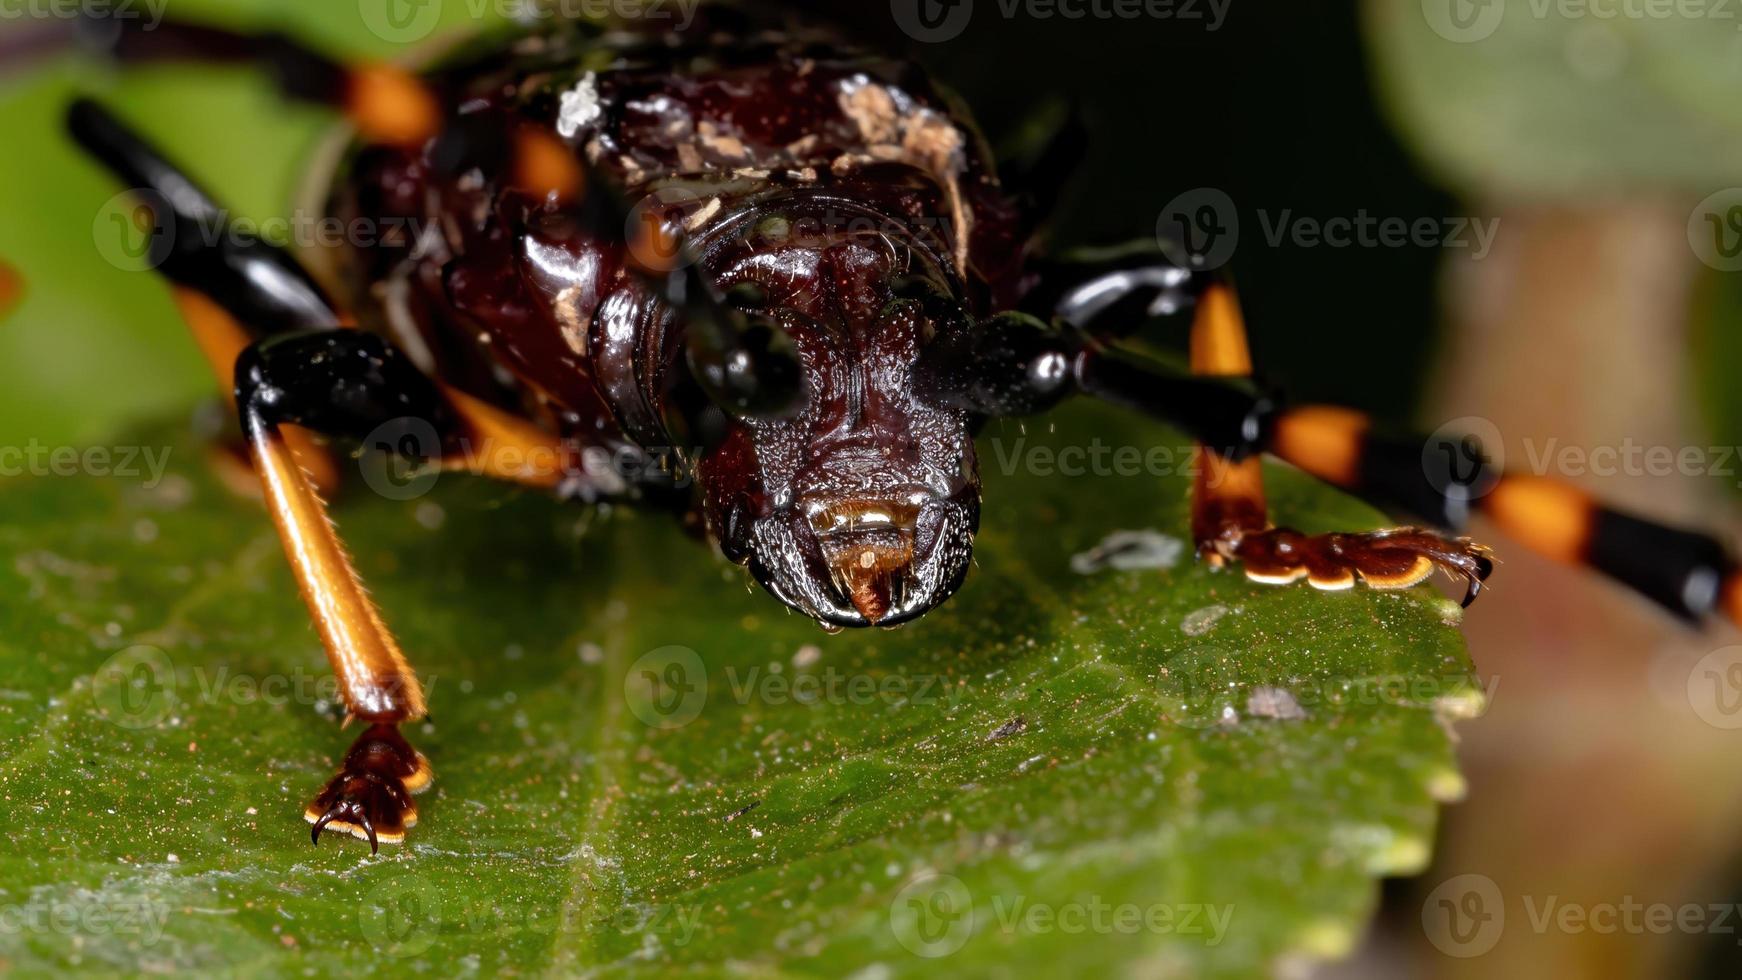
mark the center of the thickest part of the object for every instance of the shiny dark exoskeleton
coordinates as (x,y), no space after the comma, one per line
(836,193)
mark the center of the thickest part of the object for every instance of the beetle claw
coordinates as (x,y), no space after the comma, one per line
(370,797)
(1397,558)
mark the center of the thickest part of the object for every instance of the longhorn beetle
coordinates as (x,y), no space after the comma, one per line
(825,286)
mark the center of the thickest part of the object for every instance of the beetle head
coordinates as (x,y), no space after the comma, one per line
(861,508)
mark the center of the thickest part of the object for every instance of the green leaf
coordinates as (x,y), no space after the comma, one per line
(1073,742)
(1563,98)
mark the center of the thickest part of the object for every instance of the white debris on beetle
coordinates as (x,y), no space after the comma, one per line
(702,216)
(721,143)
(1274,702)
(580,106)
(570,323)
(895,128)
(1129,551)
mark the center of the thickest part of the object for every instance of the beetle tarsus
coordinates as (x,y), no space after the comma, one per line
(1393,559)
(370,797)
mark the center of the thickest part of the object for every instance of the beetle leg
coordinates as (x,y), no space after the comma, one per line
(1013,364)
(341,381)
(1227,494)
(270,291)
(292,372)
(1230,522)
(1109,293)
(1689,573)
(233,291)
